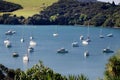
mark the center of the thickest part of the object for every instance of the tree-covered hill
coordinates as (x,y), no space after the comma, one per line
(71,12)
(8,7)
(74,12)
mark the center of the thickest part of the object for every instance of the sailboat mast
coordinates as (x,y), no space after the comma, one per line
(88,34)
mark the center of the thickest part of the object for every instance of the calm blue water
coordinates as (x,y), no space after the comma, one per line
(46,50)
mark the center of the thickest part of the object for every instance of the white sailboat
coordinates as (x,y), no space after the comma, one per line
(86,41)
(101,35)
(31,37)
(56,33)
(26,57)
(88,34)
(7,43)
(86,53)
(22,40)
(81,37)
(32,43)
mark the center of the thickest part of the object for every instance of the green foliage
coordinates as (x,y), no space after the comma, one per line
(113,69)
(8,7)
(79,77)
(98,19)
(37,72)
(74,12)
(53,17)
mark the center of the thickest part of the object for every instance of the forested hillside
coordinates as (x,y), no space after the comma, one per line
(72,12)
(8,7)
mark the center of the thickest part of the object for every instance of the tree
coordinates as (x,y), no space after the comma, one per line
(113,3)
(79,77)
(113,69)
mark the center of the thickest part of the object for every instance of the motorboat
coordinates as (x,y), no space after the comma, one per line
(75,44)
(55,34)
(15,54)
(25,57)
(107,50)
(10,32)
(110,35)
(81,37)
(62,50)
(32,43)
(86,53)
(30,49)
(84,42)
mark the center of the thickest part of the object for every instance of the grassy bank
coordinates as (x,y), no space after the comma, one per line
(31,7)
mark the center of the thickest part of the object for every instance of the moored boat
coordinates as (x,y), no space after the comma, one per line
(110,35)
(101,36)
(22,40)
(81,37)
(10,32)
(7,43)
(26,58)
(84,42)
(32,43)
(55,34)
(15,54)
(86,53)
(30,49)
(75,44)
(62,50)
(107,50)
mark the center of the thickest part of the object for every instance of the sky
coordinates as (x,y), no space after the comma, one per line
(116,1)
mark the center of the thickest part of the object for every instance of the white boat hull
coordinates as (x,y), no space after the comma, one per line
(55,34)
(33,43)
(84,42)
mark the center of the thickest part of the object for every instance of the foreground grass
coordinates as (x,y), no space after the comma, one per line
(31,7)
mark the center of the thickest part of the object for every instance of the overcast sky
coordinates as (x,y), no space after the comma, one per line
(116,1)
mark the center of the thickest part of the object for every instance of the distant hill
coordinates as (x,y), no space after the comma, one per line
(31,7)
(8,7)
(71,12)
